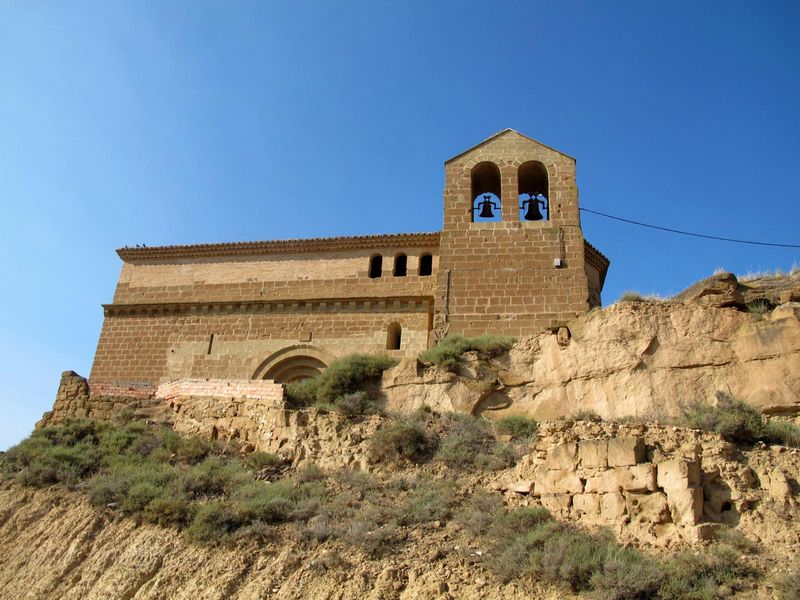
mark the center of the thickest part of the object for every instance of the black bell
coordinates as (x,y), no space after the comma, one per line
(486,208)
(533,213)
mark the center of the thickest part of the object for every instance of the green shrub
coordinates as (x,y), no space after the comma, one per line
(193,449)
(347,375)
(60,464)
(480,511)
(371,531)
(268,502)
(626,573)
(170,509)
(263,460)
(518,521)
(448,351)
(690,575)
(468,443)
(631,296)
(586,414)
(737,421)
(357,403)
(429,501)
(782,432)
(528,541)
(517,426)
(213,523)
(214,477)
(310,472)
(571,557)
(401,440)
(301,394)
(758,307)
(153,475)
(65,454)
(788,586)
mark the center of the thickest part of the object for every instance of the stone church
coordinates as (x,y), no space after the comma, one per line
(510,259)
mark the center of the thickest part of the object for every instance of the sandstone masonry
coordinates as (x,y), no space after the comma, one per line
(283,310)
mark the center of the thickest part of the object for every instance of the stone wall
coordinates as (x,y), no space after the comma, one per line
(76,398)
(651,483)
(155,347)
(221,310)
(614,481)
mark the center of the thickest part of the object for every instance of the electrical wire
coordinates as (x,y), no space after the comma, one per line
(699,235)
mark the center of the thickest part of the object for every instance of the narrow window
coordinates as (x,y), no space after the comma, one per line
(486,192)
(533,192)
(394,333)
(400,265)
(376,266)
(425,265)
(210,343)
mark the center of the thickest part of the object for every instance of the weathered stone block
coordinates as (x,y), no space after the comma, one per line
(563,456)
(557,503)
(625,451)
(678,473)
(648,508)
(636,478)
(612,506)
(521,487)
(586,504)
(685,505)
(556,482)
(779,487)
(593,453)
(602,483)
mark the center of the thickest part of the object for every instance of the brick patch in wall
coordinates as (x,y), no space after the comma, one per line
(258,389)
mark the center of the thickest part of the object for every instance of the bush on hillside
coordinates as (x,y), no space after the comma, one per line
(468,442)
(788,586)
(347,375)
(399,440)
(448,351)
(586,414)
(517,426)
(738,422)
(301,394)
(340,387)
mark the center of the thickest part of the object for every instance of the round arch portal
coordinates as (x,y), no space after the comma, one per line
(295,363)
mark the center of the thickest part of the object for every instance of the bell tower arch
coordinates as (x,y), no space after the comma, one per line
(515,275)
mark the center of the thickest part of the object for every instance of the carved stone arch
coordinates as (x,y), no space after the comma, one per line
(301,361)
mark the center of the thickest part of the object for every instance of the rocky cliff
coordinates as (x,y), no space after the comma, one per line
(635,358)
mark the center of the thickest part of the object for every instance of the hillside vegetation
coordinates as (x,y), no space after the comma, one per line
(430,461)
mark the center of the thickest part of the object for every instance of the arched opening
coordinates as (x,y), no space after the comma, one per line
(425,265)
(400,265)
(394,335)
(294,363)
(376,266)
(485,192)
(295,368)
(533,191)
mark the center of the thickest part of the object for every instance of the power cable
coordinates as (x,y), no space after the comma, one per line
(699,235)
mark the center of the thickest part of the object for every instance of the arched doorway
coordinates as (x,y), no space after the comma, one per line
(295,363)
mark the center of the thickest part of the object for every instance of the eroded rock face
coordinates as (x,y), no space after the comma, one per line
(657,485)
(632,358)
(720,291)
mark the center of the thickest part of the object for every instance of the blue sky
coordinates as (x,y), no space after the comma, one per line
(175,122)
